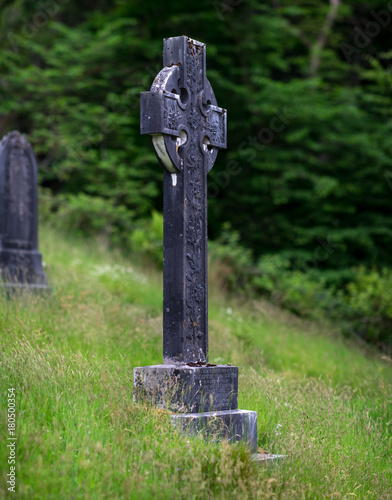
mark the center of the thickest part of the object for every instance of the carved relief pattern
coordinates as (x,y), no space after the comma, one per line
(196,287)
(215,126)
(171,113)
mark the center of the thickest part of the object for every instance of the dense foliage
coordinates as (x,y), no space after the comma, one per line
(307,176)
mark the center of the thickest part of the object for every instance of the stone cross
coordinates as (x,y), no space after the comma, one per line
(20,261)
(187,127)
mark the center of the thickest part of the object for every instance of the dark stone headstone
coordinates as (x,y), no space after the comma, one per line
(187,127)
(20,260)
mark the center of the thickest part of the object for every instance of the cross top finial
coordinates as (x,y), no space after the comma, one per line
(187,128)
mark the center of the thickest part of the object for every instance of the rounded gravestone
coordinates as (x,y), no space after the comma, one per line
(20,260)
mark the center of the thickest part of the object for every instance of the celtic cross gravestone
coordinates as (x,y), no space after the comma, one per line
(20,260)
(187,127)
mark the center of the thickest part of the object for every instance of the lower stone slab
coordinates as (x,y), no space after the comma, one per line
(22,287)
(267,458)
(186,388)
(233,425)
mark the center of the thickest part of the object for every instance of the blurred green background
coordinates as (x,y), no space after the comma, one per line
(299,204)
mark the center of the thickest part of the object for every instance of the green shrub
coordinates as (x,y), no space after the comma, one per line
(89,215)
(362,307)
(296,290)
(369,299)
(232,264)
(147,238)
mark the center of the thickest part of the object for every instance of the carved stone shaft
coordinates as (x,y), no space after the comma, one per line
(180,112)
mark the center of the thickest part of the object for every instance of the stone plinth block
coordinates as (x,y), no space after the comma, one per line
(233,425)
(184,388)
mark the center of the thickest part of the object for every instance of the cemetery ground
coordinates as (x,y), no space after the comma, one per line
(322,400)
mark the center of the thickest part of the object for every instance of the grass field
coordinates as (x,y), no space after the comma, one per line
(322,400)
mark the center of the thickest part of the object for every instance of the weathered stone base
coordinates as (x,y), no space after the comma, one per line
(233,425)
(185,388)
(21,269)
(204,398)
